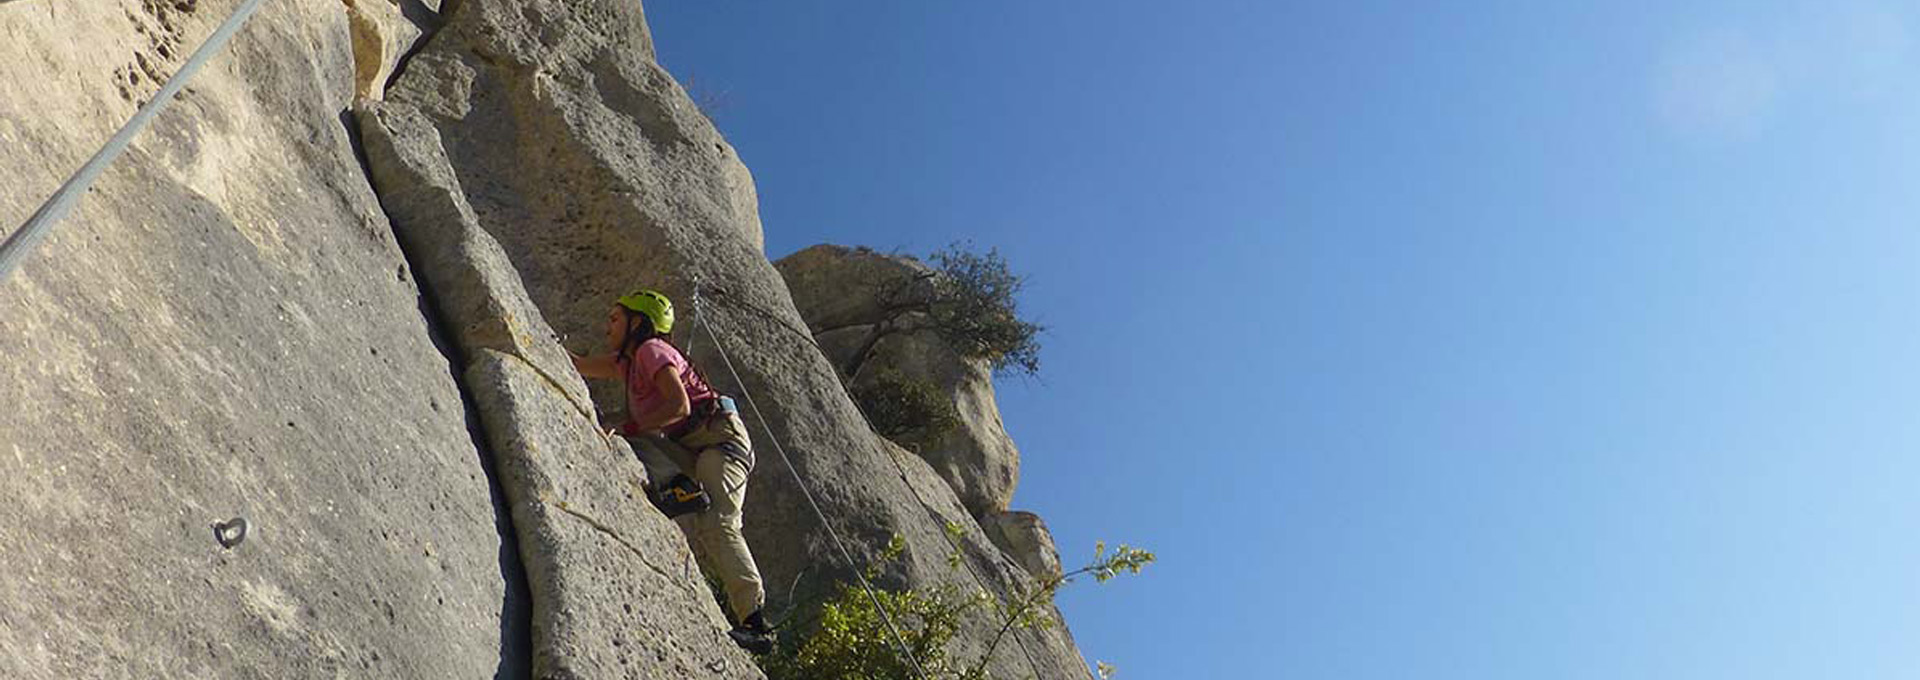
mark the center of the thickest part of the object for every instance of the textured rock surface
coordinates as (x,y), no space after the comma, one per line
(615,591)
(596,174)
(225,327)
(383,32)
(837,287)
(1022,535)
(861,305)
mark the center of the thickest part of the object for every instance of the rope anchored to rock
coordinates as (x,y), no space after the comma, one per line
(29,235)
(952,541)
(812,503)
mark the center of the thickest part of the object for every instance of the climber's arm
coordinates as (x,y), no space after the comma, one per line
(672,407)
(597,366)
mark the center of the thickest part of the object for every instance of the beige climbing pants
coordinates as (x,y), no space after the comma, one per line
(715,533)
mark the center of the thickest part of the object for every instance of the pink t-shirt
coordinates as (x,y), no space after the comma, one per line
(640,369)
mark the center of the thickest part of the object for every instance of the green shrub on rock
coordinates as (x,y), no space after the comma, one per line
(912,412)
(974,309)
(851,640)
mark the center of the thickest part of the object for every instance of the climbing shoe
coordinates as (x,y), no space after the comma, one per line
(681,495)
(753,634)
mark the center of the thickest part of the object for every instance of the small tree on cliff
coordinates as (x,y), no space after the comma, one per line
(974,308)
(968,299)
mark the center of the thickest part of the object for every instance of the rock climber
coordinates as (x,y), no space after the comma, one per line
(668,398)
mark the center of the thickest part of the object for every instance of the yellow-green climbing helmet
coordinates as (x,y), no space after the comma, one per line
(657,307)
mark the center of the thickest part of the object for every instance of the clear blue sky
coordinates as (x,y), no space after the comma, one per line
(1421,340)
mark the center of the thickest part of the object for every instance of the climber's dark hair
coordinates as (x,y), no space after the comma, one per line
(635,334)
(644,331)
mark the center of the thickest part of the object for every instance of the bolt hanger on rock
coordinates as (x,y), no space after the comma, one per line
(231,532)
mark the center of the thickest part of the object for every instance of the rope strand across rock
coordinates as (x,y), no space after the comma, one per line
(699,288)
(813,504)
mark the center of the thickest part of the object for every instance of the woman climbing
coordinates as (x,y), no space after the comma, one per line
(667,397)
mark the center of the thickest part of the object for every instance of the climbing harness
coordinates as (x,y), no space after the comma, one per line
(700,413)
(885,616)
(29,235)
(701,416)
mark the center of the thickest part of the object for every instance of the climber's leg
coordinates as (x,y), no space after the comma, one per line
(718,529)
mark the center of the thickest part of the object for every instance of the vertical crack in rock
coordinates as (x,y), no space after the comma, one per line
(516,614)
(516,618)
(596,611)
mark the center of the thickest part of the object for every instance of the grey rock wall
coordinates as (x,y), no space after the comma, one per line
(225,327)
(614,588)
(1023,535)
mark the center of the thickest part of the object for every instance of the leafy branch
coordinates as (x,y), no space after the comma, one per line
(1028,614)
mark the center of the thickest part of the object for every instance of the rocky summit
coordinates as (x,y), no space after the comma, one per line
(325,293)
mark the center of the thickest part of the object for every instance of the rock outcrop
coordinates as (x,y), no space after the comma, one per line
(229,326)
(867,310)
(1022,535)
(384,31)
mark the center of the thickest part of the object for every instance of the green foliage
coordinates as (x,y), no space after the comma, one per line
(913,412)
(955,534)
(1125,559)
(852,641)
(1029,611)
(974,309)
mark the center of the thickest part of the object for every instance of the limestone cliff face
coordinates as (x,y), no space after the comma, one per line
(226,327)
(599,561)
(336,320)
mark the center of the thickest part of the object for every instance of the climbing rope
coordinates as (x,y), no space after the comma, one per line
(972,573)
(952,542)
(24,239)
(885,616)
